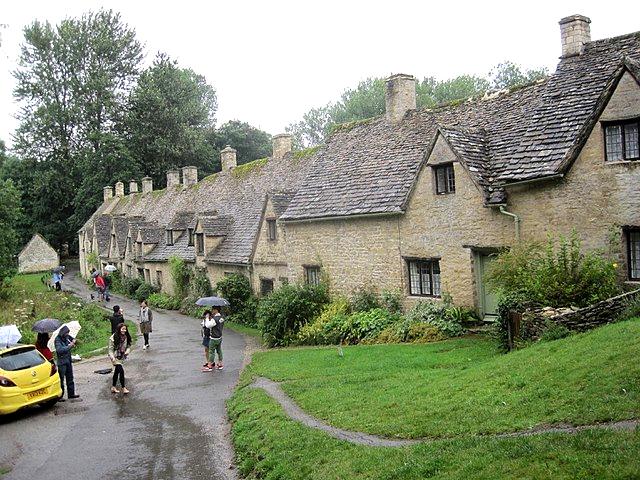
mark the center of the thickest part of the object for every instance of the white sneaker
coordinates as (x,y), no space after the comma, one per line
(144,347)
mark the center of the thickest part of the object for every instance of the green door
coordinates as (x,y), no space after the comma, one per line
(488,301)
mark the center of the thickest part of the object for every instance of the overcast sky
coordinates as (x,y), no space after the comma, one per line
(271,61)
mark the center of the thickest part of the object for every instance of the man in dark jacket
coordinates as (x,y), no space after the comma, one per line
(64,343)
(116,318)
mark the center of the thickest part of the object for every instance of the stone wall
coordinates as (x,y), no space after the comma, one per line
(534,322)
(37,256)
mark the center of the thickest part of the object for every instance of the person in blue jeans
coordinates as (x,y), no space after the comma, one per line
(64,343)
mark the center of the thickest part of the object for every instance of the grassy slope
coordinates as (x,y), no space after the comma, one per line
(464,386)
(31,300)
(456,388)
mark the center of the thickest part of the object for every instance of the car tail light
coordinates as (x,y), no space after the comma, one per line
(54,370)
(5,382)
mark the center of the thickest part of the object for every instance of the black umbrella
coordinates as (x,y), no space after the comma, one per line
(46,325)
(58,269)
(212,302)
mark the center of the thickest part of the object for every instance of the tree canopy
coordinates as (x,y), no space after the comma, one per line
(10,216)
(367,100)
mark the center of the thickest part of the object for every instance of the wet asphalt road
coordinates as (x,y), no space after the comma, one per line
(172,425)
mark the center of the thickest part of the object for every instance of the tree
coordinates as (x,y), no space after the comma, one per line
(172,113)
(72,84)
(250,142)
(510,75)
(10,214)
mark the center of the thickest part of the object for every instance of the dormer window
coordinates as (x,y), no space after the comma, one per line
(273,232)
(445,179)
(191,237)
(621,141)
(169,237)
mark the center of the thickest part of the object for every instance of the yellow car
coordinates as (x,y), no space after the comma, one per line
(26,379)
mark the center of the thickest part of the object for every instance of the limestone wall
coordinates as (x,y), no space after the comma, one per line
(37,256)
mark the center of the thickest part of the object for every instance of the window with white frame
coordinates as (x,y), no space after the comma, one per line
(424,277)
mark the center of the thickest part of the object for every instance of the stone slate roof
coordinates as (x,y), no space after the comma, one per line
(238,195)
(180,249)
(102,226)
(152,235)
(121,228)
(280,201)
(216,226)
(570,104)
(531,133)
(182,221)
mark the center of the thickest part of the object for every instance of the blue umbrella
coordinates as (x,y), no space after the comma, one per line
(212,302)
(46,325)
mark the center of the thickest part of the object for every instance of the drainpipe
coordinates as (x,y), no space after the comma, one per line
(516,220)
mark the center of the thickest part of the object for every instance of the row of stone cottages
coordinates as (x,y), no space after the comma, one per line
(416,200)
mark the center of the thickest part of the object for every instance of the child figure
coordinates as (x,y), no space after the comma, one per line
(206,336)
(215,324)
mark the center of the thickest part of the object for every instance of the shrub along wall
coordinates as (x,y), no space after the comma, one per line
(535,322)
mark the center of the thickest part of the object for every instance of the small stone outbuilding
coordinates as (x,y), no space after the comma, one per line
(37,256)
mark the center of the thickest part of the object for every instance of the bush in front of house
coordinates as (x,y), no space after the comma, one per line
(364,299)
(236,288)
(323,330)
(287,309)
(558,274)
(361,326)
(408,331)
(444,316)
(163,300)
(144,291)
(130,285)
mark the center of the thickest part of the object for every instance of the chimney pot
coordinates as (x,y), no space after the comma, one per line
(107,193)
(173,178)
(281,145)
(400,96)
(119,189)
(189,176)
(228,158)
(133,186)
(147,185)
(574,33)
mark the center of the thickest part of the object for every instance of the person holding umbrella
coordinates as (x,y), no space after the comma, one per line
(214,324)
(44,328)
(64,343)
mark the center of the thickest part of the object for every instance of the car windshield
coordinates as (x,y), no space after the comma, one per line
(20,359)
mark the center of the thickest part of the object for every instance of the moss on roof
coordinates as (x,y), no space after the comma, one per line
(305,152)
(247,168)
(348,126)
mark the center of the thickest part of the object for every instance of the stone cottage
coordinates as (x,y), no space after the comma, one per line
(37,256)
(420,200)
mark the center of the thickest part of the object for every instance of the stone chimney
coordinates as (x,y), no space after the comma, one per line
(228,158)
(147,185)
(189,176)
(281,145)
(400,96)
(133,187)
(107,193)
(173,178)
(574,32)
(119,189)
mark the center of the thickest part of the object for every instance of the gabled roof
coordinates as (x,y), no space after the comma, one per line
(120,226)
(235,197)
(37,238)
(534,132)
(182,221)
(102,226)
(180,249)
(152,234)
(281,200)
(570,104)
(215,226)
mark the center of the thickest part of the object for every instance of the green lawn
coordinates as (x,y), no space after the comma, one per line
(30,300)
(238,327)
(450,391)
